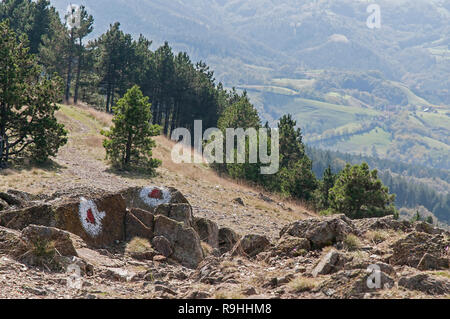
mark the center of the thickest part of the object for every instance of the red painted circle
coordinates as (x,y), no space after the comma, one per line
(155,193)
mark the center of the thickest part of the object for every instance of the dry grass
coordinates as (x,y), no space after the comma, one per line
(377,236)
(138,246)
(352,242)
(302,284)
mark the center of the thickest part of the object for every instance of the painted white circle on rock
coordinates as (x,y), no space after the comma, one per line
(155,196)
(90,217)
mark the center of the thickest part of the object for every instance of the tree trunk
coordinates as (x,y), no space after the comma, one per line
(77,81)
(3,139)
(128,150)
(69,68)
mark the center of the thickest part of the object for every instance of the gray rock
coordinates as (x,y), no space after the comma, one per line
(250,246)
(330,263)
(321,232)
(227,239)
(420,250)
(428,284)
(208,231)
(179,212)
(162,245)
(184,240)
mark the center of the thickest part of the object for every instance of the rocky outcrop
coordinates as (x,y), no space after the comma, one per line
(184,240)
(387,222)
(179,212)
(208,231)
(141,226)
(162,245)
(150,197)
(98,220)
(11,242)
(426,283)
(250,246)
(321,232)
(227,239)
(290,246)
(422,251)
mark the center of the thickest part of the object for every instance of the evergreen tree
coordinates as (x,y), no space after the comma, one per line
(128,143)
(358,193)
(28,126)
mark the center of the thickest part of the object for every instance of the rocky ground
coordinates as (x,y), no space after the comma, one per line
(77,229)
(167,252)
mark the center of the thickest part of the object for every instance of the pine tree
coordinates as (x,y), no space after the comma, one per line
(128,143)
(28,126)
(358,193)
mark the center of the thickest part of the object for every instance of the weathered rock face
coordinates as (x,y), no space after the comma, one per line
(141,226)
(185,241)
(227,239)
(291,246)
(208,231)
(250,246)
(330,263)
(422,251)
(148,198)
(15,198)
(426,283)
(179,212)
(162,245)
(11,242)
(98,220)
(321,232)
(387,222)
(62,241)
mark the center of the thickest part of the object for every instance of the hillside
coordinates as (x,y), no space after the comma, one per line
(345,83)
(279,249)
(81,163)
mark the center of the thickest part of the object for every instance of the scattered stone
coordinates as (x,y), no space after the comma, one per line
(239,201)
(249,292)
(330,263)
(387,222)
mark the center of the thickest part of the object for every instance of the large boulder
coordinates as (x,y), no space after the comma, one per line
(11,242)
(184,240)
(208,231)
(227,239)
(179,212)
(386,222)
(141,226)
(321,232)
(422,251)
(97,218)
(250,246)
(291,246)
(150,197)
(431,285)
